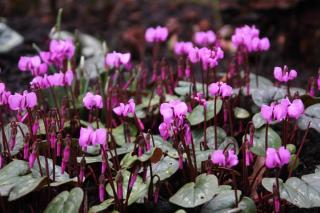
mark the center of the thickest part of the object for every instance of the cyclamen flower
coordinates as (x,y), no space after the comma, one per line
(91,101)
(209,58)
(174,108)
(21,102)
(220,89)
(164,130)
(277,158)
(32,64)
(59,51)
(115,59)
(55,80)
(228,159)
(284,75)
(90,137)
(248,37)
(199,98)
(125,109)
(182,48)
(205,38)
(295,108)
(158,34)
(4,95)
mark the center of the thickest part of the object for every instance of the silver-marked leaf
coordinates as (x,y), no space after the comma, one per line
(197,114)
(267,95)
(259,121)
(312,115)
(118,134)
(274,140)
(102,206)
(210,135)
(183,88)
(164,168)
(196,193)
(66,202)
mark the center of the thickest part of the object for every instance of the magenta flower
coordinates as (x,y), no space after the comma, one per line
(62,48)
(115,59)
(277,158)
(205,38)
(32,159)
(32,64)
(248,37)
(125,109)
(173,109)
(209,58)
(91,101)
(164,130)
(85,136)
(249,158)
(4,95)
(220,89)
(182,48)
(21,102)
(55,80)
(99,136)
(284,75)
(199,98)
(228,159)
(295,108)
(158,34)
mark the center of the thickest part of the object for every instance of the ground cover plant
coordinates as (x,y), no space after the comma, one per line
(194,128)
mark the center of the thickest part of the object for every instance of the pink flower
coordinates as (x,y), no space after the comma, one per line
(4,95)
(295,109)
(164,130)
(249,158)
(228,159)
(205,38)
(199,98)
(248,37)
(85,136)
(21,102)
(158,34)
(283,75)
(182,48)
(220,89)
(32,64)
(277,158)
(99,136)
(62,48)
(32,159)
(116,59)
(125,109)
(209,58)
(55,80)
(174,108)
(68,78)
(91,101)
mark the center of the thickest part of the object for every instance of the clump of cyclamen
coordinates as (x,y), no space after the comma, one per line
(205,38)
(248,38)
(277,158)
(173,114)
(208,58)
(282,110)
(59,79)
(228,159)
(34,64)
(59,51)
(157,34)
(115,59)
(220,89)
(125,109)
(22,101)
(284,75)
(91,101)
(88,136)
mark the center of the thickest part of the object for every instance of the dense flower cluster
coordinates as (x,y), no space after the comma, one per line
(282,110)
(4,95)
(220,89)
(183,48)
(59,79)
(88,136)
(91,101)
(33,64)
(125,109)
(248,37)
(228,159)
(208,58)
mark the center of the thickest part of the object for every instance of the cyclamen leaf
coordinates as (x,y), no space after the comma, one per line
(197,114)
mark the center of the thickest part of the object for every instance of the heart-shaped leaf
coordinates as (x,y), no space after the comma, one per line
(312,115)
(197,114)
(165,146)
(19,137)
(139,188)
(210,135)
(66,202)
(267,95)
(256,82)
(164,168)
(196,193)
(259,139)
(304,192)
(102,206)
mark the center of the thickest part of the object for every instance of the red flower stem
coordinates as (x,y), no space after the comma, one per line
(300,148)
(266,137)
(215,124)
(205,126)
